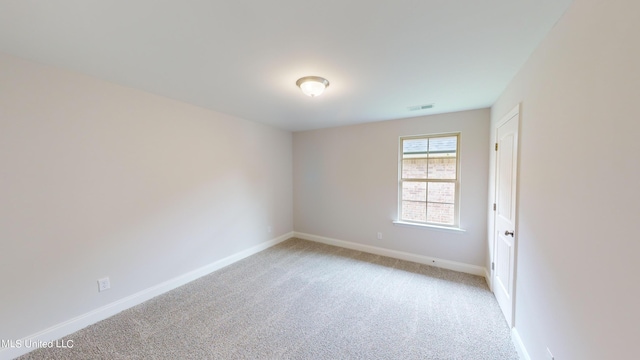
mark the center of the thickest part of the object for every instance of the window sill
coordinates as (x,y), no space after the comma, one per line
(428,226)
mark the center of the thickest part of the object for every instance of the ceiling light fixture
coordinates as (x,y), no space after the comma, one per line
(312,85)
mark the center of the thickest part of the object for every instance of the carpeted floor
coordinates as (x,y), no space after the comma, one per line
(303,300)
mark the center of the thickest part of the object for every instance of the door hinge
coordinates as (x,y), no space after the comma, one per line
(493,266)
(496,146)
(494,206)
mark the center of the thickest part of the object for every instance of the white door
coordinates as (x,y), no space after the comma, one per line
(505,213)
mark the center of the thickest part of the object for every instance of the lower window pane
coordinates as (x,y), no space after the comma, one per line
(440,213)
(414,211)
(442,192)
(414,191)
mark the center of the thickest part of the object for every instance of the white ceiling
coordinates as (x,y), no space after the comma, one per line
(243,57)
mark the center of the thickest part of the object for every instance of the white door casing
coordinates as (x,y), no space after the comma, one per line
(504,241)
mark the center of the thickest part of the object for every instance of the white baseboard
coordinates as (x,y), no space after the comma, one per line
(517,342)
(72,325)
(487,277)
(445,264)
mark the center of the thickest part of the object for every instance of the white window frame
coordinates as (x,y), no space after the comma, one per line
(456,221)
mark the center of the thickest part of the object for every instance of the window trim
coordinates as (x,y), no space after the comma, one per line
(456,220)
(428,226)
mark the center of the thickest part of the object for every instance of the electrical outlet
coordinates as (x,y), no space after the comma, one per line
(379,236)
(549,355)
(269,229)
(104,284)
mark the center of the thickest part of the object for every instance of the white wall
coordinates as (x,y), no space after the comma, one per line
(101,180)
(346,185)
(577,285)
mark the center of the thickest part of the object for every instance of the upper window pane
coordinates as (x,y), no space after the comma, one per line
(442,157)
(442,168)
(414,168)
(446,146)
(430,158)
(414,147)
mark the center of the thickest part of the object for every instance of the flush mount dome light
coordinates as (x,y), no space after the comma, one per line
(312,85)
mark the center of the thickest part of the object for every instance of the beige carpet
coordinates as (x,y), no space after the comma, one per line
(303,300)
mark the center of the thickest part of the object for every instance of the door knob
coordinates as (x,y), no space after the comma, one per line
(507,233)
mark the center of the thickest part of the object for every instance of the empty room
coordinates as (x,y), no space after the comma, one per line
(319,180)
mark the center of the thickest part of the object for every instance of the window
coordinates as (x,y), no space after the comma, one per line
(429,180)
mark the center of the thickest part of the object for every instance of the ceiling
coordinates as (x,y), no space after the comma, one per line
(243,57)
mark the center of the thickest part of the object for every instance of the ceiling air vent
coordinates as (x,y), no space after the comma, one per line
(420,107)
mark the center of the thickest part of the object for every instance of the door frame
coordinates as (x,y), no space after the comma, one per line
(515,112)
